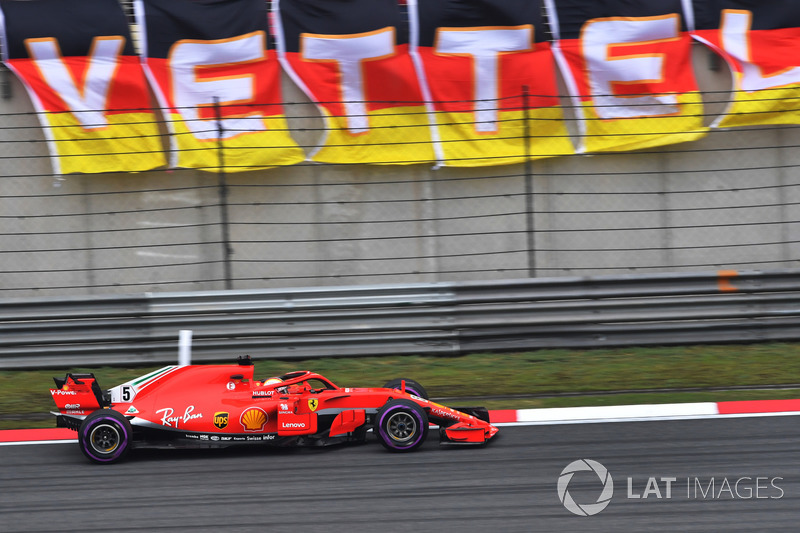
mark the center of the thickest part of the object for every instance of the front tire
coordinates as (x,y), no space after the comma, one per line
(105,436)
(412,387)
(401,425)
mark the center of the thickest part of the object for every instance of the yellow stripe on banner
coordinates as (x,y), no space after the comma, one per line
(463,146)
(769,106)
(130,143)
(646,132)
(258,150)
(396,136)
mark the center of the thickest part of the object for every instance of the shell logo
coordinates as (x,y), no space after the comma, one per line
(254,419)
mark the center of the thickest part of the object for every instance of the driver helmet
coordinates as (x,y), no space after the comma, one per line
(273,381)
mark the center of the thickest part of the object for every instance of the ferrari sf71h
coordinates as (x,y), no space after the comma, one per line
(223,405)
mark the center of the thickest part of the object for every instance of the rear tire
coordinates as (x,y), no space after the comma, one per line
(401,425)
(105,436)
(412,387)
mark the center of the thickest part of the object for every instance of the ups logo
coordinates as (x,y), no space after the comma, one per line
(221,420)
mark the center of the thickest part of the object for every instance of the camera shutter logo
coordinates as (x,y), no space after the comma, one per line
(585,465)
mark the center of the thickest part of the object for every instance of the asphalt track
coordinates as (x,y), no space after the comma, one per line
(507,486)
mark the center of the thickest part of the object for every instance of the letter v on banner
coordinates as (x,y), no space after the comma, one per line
(760,41)
(88,101)
(85,82)
(200,54)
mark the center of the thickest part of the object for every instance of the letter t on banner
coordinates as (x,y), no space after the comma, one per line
(487,69)
(348,54)
(351,58)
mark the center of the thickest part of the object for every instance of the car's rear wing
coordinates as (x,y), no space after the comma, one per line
(78,394)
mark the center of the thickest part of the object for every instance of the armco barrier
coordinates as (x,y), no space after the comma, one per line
(435,318)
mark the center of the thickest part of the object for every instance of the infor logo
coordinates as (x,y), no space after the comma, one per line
(585,465)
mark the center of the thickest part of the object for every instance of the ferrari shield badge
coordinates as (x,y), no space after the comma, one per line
(313,403)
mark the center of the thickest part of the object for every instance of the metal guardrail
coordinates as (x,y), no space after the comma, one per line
(435,318)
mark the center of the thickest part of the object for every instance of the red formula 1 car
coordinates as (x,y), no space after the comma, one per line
(223,405)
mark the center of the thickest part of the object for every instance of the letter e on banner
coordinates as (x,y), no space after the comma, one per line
(610,65)
(193,89)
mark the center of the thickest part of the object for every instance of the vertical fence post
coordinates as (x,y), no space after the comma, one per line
(529,217)
(227,252)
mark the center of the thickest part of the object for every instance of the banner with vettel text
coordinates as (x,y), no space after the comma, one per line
(351,58)
(77,63)
(489,75)
(760,41)
(628,69)
(215,72)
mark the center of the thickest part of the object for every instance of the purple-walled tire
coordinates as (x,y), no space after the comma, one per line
(412,387)
(401,425)
(105,436)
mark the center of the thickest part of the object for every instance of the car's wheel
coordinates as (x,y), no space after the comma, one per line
(401,425)
(105,436)
(412,387)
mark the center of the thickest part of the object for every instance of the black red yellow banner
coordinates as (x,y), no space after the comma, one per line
(77,62)
(455,82)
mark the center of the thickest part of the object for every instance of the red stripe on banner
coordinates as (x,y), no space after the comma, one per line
(758,406)
(503,416)
(22,435)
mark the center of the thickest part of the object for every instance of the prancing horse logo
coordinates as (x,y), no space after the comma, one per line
(313,403)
